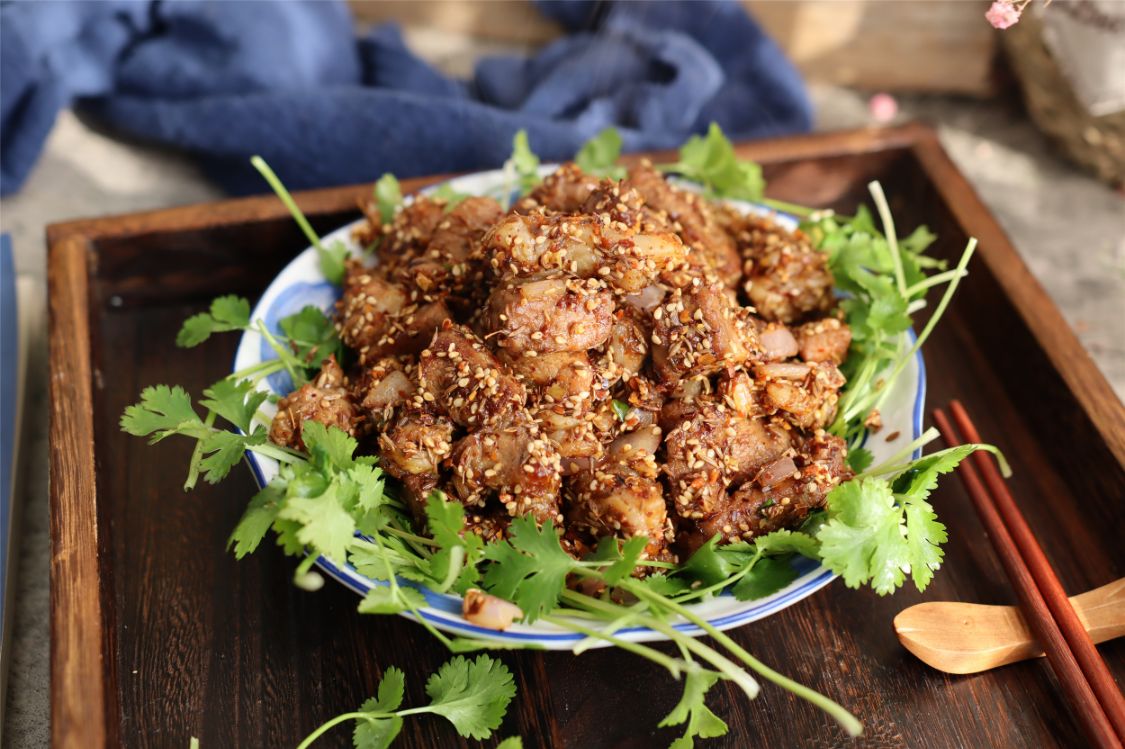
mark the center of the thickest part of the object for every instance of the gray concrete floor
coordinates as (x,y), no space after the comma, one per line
(1069,228)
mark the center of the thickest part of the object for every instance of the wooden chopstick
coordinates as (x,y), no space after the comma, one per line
(1089,660)
(1075,687)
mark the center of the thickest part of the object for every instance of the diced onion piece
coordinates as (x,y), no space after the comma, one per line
(777,471)
(488,611)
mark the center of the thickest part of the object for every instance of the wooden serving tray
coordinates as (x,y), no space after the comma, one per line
(158,634)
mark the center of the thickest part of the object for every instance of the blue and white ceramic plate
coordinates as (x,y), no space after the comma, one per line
(301,284)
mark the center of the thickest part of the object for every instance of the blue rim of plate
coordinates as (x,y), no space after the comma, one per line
(443,610)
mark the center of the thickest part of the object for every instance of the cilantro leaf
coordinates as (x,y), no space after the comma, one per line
(711,564)
(924,537)
(329,446)
(512,742)
(692,709)
(621,556)
(598,156)
(375,733)
(766,577)
(860,459)
(530,568)
(389,599)
(455,564)
(256,520)
(312,336)
(162,411)
(388,197)
(226,313)
(525,163)
(863,539)
(711,161)
(379,732)
(785,541)
(222,451)
(472,695)
(325,525)
(620,409)
(663,585)
(237,402)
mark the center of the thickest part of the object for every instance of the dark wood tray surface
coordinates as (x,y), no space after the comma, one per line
(158,634)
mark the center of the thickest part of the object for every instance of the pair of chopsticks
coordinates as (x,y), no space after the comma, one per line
(1086,682)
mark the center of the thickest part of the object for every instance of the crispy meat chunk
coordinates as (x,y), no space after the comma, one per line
(584,245)
(778,342)
(380,388)
(805,394)
(550,314)
(365,310)
(451,266)
(513,462)
(626,349)
(325,399)
(692,217)
(712,447)
(416,442)
(699,331)
(824,340)
(621,495)
(460,375)
(786,279)
(408,234)
(781,496)
(563,191)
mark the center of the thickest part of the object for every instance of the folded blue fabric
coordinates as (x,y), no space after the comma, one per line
(290,81)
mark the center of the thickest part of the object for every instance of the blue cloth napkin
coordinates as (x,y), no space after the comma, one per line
(290,81)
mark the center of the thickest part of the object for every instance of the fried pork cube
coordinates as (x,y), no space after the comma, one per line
(584,245)
(626,349)
(563,191)
(711,447)
(781,496)
(460,376)
(380,388)
(785,278)
(693,219)
(824,340)
(621,496)
(699,331)
(550,314)
(451,264)
(365,309)
(408,233)
(412,448)
(806,394)
(512,461)
(577,439)
(325,400)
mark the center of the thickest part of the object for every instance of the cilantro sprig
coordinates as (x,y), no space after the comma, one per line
(331,257)
(599,155)
(472,695)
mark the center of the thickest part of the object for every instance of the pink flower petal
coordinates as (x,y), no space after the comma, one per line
(1002,14)
(882,107)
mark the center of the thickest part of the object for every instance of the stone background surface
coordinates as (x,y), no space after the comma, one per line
(1069,228)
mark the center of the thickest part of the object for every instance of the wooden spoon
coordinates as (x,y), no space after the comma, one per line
(965,638)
